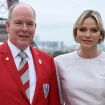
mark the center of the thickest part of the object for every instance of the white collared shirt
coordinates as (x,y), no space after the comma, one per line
(32,73)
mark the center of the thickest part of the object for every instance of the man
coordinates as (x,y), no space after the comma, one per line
(37,85)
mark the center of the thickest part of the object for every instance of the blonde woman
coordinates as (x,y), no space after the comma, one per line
(82,73)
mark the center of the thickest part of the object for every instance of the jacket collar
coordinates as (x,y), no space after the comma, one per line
(8,61)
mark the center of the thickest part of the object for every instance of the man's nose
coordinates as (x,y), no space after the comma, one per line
(24,28)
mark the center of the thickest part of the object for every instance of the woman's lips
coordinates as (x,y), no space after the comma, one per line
(87,41)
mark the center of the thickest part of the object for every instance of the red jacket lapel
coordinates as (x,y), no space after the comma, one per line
(11,67)
(39,72)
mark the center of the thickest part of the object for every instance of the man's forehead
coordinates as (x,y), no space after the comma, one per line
(23,10)
(20,6)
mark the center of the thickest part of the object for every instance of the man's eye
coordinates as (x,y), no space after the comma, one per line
(30,24)
(18,23)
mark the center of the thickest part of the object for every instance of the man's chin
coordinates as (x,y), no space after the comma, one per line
(23,46)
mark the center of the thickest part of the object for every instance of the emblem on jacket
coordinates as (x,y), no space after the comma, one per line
(46,90)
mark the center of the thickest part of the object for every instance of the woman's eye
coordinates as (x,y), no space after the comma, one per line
(82,29)
(94,30)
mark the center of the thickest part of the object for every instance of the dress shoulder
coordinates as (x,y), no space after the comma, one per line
(64,57)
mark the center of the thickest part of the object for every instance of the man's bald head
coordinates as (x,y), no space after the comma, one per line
(16,5)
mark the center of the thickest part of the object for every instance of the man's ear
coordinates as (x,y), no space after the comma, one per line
(7,26)
(35,25)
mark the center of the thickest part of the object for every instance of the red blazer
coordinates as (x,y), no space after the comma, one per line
(11,91)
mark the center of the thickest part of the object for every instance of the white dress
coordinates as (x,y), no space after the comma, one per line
(82,80)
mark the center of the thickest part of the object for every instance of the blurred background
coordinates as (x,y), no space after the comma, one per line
(55,19)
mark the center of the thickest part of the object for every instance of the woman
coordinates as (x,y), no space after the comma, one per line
(82,72)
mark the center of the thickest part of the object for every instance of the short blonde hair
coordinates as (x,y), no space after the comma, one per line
(89,13)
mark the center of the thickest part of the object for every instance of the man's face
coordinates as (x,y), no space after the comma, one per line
(21,27)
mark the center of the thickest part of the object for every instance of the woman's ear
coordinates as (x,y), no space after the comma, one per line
(101,35)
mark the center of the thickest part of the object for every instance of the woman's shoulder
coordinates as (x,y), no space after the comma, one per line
(66,56)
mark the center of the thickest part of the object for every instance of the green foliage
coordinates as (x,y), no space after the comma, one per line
(56,53)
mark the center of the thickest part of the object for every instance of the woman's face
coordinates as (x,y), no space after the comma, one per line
(88,33)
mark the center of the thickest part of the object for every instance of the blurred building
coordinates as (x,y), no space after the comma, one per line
(50,44)
(11,2)
(3,32)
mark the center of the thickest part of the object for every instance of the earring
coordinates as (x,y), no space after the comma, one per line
(76,39)
(100,37)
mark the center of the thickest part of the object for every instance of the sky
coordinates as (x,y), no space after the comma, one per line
(55,18)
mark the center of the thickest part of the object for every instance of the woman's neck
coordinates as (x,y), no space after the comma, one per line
(89,53)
